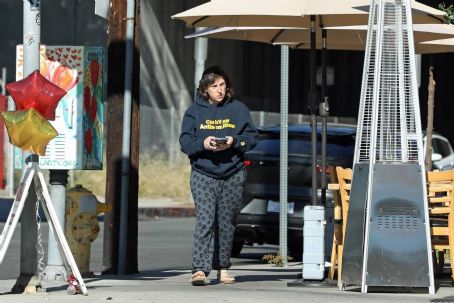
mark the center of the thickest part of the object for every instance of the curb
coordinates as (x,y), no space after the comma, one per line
(148,213)
(144,213)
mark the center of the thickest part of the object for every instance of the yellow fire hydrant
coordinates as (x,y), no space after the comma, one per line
(82,225)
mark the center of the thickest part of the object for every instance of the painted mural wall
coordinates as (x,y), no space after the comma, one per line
(79,117)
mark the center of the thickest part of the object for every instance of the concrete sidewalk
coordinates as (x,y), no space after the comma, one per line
(255,283)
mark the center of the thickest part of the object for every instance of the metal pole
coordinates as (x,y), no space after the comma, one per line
(55,270)
(172,140)
(314,99)
(314,215)
(31,44)
(10,177)
(323,112)
(8,148)
(262,117)
(200,55)
(3,81)
(284,155)
(126,147)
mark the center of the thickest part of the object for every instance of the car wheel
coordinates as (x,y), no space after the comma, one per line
(237,247)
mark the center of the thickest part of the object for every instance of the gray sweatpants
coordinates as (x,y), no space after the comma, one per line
(216,204)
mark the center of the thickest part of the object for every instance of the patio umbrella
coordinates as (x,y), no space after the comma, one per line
(292,13)
(421,33)
(436,46)
(296,13)
(425,47)
(340,37)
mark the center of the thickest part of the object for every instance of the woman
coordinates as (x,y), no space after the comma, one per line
(216,132)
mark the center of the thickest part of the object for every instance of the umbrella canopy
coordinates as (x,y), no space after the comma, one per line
(437,46)
(292,13)
(339,38)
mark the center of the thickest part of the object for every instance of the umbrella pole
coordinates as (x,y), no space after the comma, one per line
(313,103)
(323,112)
(314,215)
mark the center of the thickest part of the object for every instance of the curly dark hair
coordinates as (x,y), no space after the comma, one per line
(209,76)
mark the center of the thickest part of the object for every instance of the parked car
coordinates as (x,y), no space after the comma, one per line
(258,220)
(442,152)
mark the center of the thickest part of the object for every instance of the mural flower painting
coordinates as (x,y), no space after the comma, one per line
(61,75)
(94,72)
(88,136)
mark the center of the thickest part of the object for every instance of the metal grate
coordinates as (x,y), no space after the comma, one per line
(388,126)
(398,217)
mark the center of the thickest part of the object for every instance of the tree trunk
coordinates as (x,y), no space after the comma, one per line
(430,120)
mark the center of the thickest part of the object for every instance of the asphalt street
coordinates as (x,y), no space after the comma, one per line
(164,244)
(164,264)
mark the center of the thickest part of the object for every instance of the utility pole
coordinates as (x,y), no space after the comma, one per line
(114,113)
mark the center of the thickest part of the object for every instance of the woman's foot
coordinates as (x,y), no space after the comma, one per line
(225,277)
(198,278)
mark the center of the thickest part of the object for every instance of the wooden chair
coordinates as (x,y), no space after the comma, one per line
(440,192)
(441,215)
(337,209)
(341,182)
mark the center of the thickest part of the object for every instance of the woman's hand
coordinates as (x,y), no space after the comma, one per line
(226,145)
(209,143)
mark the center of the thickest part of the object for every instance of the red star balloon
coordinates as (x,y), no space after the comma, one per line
(28,130)
(36,92)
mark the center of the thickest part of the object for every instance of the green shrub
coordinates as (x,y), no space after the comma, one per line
(449,10)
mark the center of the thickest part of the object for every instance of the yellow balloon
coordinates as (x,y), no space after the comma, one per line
(28,130)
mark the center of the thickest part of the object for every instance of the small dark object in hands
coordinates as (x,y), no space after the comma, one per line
(220,141)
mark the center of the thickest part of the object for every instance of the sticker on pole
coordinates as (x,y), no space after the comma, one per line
(34,4)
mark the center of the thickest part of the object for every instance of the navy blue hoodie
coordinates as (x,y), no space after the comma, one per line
(228,118)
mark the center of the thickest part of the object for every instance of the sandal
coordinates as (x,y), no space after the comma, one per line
(225,277)
(198,278)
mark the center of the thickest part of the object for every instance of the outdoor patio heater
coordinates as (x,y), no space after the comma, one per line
(387,241)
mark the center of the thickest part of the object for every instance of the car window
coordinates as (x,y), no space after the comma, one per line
(444,147)
(435,146)
(440,147)
(340,146)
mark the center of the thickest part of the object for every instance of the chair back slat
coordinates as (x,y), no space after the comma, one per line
(344,176)
(440,194)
